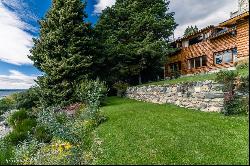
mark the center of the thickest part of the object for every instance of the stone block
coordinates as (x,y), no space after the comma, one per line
(213,95)
(197,89)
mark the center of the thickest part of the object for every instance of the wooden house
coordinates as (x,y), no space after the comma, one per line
(211,48)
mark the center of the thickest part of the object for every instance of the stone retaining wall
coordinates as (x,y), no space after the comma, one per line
(204,96)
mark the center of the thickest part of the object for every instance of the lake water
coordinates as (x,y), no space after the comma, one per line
(4,93)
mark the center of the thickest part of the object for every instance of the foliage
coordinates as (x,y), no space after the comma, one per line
(27,99)
(190,30)
(91,92)
(244,85)
(62,51)
(22,124)
(6,104)
(73,141)
(232,82)
(170,134)
(42,134)
(17,117)
(121,88)
(243,67)
(176,74)
(132,37)
(6,152)
(236,105)
(227,78)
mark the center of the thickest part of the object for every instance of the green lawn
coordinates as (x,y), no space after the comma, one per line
(145,133)
(195,78)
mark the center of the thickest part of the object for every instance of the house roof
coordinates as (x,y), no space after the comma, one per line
(224,23)
(193,34)
(234,19)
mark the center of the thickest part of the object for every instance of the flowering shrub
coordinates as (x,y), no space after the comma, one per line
(92,92)
(232,83)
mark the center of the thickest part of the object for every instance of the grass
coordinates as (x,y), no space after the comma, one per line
(145,133)
(195,78)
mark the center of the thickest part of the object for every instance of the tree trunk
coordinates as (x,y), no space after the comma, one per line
(139,78)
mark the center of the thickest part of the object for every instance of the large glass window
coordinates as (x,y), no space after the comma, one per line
(225,56)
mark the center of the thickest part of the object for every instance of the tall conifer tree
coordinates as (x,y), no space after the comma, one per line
(133,35)
(62,51)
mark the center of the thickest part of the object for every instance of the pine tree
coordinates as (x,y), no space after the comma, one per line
(133,35)
(62,51)
(190,30)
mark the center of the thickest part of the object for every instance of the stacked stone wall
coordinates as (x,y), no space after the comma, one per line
(204,96)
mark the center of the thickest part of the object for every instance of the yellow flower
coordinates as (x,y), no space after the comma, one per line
(67,146)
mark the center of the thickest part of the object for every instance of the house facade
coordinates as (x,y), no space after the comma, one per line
(212,48)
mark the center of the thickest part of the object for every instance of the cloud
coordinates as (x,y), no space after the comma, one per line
(102,4)
(16,80)
(191,12)
(15,42)
(201,13)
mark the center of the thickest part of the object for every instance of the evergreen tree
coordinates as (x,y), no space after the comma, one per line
(190,30)
(133,37)
(62,52)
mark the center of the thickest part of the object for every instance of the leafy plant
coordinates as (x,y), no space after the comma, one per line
(27,99)
(17,117)
(6,104)
(91,92)
(121,88)
(6,152)
(233,103)
(236,105)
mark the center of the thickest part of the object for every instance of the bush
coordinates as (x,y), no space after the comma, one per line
(176,74)
(91,92)
(16,137)
(27,99)
(25,125)
(121,88)
(22,124)
(242,64)
(6,152)
(42,134)
(232,82)
(244,85)
(6,104)
(227,78)
(236,106)
(17,117)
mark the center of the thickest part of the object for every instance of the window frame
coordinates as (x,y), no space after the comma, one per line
(194,60)
(234,53)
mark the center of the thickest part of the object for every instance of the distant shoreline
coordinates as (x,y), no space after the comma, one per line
(6,92)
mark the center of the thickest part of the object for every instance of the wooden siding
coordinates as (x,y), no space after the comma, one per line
(243,38)
(211,46)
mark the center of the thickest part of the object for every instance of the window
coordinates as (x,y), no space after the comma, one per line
(175,66)
(218,59)
(225,56)
(196,40)
(185,43)
(204,61)
(197,62)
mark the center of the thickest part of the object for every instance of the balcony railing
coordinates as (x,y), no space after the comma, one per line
(222,32)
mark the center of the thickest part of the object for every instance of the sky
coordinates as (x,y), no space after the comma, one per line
(18,25)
